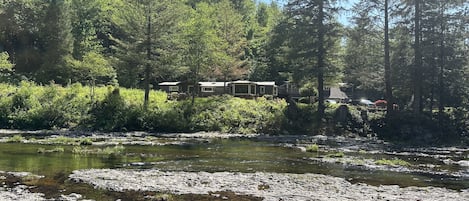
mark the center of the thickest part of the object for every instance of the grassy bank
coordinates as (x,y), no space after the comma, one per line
(29,106)
(32,107)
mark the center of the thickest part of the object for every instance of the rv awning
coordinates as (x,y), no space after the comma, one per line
(169,83)
(213,84)
(266,83)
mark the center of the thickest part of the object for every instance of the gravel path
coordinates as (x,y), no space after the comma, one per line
(270,186)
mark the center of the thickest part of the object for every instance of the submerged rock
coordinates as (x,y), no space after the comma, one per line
(270,186)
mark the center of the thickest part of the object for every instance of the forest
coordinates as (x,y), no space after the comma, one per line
(413,53)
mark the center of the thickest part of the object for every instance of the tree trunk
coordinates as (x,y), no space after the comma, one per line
(321,63)
(434,81)
(196,75)
(196,85)
(417,78)
(147,66)
(387,63)
(442,67)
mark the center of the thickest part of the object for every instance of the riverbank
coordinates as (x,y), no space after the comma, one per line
(270,186)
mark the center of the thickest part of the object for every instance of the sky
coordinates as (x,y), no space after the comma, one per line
(343,18)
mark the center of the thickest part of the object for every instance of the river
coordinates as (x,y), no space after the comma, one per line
(437,167)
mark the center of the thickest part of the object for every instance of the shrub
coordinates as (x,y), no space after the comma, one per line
(109,114)
(86,141)
(312,148)
(15,138)
(237,115)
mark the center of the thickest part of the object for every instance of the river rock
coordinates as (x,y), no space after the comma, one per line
(270,186)
(463,163)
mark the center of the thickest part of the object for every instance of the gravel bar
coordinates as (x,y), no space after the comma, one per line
(270,186)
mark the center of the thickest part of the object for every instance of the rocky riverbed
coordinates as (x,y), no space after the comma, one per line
(13,188)
(177,165)
(269,186)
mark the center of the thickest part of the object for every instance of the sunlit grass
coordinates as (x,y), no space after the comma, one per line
(392,162)
(15,139)
(82,150)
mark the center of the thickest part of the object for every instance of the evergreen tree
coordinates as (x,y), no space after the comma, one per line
(313,39)
(230,31)
(86,14)
(147,45)
(200,44)
(58,43)
(363,53)
(20,33)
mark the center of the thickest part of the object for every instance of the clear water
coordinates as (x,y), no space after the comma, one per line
(237,155)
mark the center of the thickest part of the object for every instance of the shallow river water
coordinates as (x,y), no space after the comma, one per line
(233,155)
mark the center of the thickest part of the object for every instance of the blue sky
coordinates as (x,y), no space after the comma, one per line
(343,18)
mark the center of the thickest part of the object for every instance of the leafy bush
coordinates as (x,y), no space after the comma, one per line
(299,118)
(312,148)
(237,115)
(15,138)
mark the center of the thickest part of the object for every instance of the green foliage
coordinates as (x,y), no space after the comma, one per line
(308,89)
(312,148)
(92,67)
(15,139)
(86,141)
(147,41)
(54,150)
(219,113)
(5,64)
(299,117)
(393,162)
(235,115)
(35,107)
(109,113)
(29,106)
(336,155)
(58,45)
(63,140)
(70,141)
(107,151)
(232,42)
(450,127)
(200,42)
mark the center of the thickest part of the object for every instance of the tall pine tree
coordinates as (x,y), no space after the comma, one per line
(58,43)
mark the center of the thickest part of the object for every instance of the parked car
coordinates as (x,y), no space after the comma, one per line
(366,102)
(330,101)
(381,103)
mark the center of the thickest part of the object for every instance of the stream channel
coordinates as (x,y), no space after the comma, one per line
(438,167)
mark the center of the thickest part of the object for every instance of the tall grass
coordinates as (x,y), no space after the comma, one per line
(31,106)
